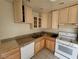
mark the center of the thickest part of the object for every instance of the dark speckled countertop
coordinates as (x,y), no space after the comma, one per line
(24,41)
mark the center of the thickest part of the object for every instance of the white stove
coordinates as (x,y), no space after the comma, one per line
(66,46)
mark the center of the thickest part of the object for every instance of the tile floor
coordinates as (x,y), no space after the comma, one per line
(44,54)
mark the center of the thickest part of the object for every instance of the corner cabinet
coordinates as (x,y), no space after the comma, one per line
(45,42)
(39,45)
(50,44)
(73,14)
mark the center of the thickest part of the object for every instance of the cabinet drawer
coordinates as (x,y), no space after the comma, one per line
(14,56)
(14,51)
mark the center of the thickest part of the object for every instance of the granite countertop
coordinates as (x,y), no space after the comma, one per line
(24,41)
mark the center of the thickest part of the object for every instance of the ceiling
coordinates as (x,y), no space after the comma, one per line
(47,5)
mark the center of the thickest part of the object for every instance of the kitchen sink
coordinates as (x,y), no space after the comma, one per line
(54,35)
(36,35)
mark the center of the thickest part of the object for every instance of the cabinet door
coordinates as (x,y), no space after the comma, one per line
(28,15)
(73,14)
(37,47)
(39,23)
(50,45)
(63,16)
(35,22)
(18,11)
(49,21)
(44,17)
(14,56)
(55,15)
(42,43)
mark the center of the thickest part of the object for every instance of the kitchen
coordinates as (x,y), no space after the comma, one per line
(33,29)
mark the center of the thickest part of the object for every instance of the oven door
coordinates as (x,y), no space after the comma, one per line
(66,51)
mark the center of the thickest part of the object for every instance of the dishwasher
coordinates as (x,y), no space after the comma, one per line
(27,51)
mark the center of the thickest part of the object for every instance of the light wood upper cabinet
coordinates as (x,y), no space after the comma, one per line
(37,22)
(63,16)
(49,21)
(55,15)
(44,17)
(18,10)
(22,12)
(73,14)
(28,15)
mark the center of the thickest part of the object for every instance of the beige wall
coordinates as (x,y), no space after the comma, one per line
(7,26)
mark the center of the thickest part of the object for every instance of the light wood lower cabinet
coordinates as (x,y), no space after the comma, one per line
(42,44)
(50,45)
(13,54)
(39,45)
